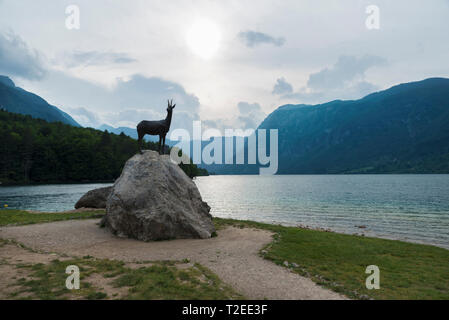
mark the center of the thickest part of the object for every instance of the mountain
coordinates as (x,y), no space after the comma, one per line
(130,132)
(404,129)
(17,100)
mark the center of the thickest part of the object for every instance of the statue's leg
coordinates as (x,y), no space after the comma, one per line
(139,141)
(139,145)
(160,140)
(163,146)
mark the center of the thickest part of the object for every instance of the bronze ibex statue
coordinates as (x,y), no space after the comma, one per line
(156,128)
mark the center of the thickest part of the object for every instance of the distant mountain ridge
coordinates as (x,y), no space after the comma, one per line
(404,129)
(132,132)
(18,100)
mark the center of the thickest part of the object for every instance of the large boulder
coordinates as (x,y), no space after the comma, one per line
(153,199)
(94,198)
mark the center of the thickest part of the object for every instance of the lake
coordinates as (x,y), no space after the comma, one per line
(50,198)
(406,207)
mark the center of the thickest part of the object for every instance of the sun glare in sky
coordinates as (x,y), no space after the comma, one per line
(203,38)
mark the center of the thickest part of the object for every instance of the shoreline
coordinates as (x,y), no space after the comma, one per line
(22,184)
(55,183)
(368,234)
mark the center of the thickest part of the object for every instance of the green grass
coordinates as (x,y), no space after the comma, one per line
(19,217)
(167,282)
(161,280)
(339,261)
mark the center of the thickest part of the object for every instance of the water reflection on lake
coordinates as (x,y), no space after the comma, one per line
(408,207)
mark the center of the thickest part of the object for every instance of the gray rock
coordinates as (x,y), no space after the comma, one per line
(153,199)
(94,198)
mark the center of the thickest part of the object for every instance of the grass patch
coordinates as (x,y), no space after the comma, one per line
(338,261)
(161,280)
(47,281)
(19,217)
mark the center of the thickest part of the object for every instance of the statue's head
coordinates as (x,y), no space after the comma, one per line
(171,106)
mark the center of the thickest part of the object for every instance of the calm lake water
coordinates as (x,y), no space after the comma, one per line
(49,198)
(407,207)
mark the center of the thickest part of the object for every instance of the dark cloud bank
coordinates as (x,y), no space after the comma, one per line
(17,59)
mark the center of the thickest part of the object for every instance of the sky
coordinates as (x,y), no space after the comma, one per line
(227,63)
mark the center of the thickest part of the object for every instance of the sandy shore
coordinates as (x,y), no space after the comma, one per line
(233,255)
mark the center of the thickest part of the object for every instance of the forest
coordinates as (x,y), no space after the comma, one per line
(37,151)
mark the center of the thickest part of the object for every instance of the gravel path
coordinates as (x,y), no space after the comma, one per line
(233,255)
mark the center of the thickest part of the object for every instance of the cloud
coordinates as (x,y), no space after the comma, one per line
(95,58)
(140,92)
(210,124)
(306,96)
(131,100)
(249,116)
(84,117)
(346,69)
(362,88)
(130,117)
(282,87)
(17,59)
(344,80)
(246,108)
(254,38)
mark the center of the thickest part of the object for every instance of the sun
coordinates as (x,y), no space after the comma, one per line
(203,38)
